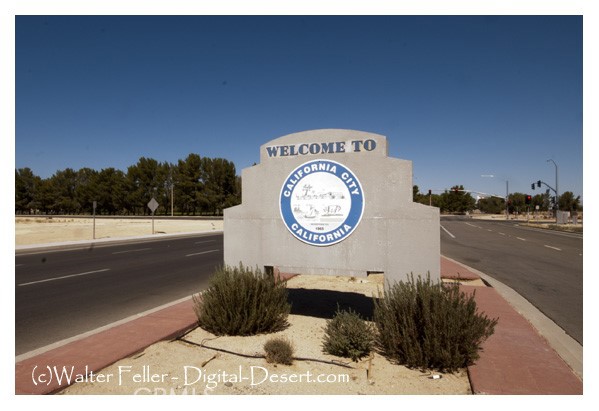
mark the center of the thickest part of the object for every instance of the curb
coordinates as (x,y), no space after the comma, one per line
(97,351)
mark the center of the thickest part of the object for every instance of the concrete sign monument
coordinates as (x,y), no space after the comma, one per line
(332,202)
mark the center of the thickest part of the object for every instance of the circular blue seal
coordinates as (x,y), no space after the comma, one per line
(321,202)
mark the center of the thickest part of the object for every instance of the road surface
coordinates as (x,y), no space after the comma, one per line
(543,266)
(60,294)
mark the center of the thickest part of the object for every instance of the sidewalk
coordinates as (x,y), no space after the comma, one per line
(514,360)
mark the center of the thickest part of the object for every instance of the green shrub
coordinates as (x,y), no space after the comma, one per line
(279,350)
(239,301)
(430,325)
(348,335)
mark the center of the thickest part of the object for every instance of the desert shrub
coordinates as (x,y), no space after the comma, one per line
(241,301)
(279,350)
(348,335)
(422,324)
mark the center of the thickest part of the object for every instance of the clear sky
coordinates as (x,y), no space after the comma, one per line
(463,97)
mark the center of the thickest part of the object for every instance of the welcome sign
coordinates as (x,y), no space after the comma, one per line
(332,202)
(321,148)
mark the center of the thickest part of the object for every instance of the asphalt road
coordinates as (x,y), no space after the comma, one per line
(544,266)
(60,294)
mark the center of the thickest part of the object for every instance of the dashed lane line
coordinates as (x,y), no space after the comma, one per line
(203,252)
(63,277)
(554,248)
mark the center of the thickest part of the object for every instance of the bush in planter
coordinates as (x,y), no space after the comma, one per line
(422,324)
(279,350)
(241,301)
(348,335)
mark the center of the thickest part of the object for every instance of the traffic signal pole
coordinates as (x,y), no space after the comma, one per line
(539,182)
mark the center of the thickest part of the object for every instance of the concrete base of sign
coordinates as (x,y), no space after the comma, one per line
(395,235)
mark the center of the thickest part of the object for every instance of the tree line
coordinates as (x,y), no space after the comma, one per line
(456,200)
(196,185)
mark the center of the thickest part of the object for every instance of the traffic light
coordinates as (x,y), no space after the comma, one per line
(528,199)
(539,183)
(430,192)
(532,186)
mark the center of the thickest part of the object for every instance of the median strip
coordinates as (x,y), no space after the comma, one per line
(203,252)
(63,277)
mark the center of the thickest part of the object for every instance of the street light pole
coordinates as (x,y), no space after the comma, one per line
(556,188)
(507,195)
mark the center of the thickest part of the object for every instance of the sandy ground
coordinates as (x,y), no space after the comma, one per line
(183,367)
(188,366)
(48,230)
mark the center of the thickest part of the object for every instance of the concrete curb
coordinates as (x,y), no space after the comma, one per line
(99,350)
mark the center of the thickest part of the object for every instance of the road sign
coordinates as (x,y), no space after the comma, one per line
(153,205)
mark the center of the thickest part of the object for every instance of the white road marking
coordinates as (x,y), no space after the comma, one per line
(501,233)
(131,251)
(203,252)
(472,225)
(207,241)
(445,229)
(64,276)
(521,239)
(554,248)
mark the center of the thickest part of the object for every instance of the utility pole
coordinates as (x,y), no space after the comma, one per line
(507,195)
(95,203)
(556,188)
(172,199)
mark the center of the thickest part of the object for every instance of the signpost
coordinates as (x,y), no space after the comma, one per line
(153,205)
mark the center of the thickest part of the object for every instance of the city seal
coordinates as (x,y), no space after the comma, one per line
(321,202)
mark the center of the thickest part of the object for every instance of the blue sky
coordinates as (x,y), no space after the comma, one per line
(460,96)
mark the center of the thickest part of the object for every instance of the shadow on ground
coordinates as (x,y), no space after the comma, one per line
(324,303)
